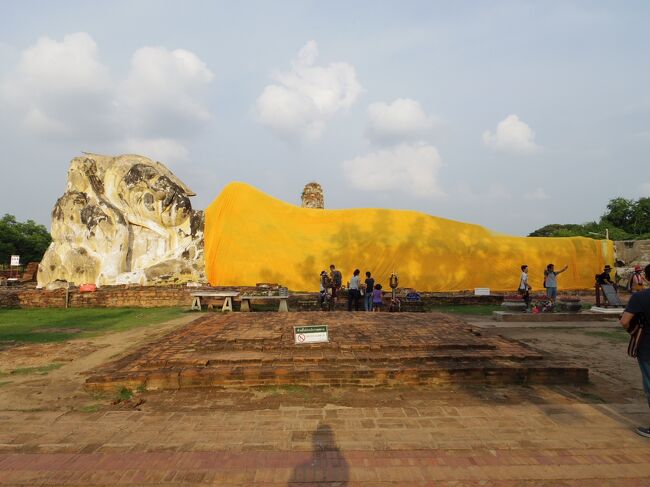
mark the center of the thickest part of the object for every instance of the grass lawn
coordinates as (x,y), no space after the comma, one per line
(466,309)
(59,324)
(616,336)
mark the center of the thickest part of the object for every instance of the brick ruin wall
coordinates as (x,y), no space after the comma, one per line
(180,296)
(106,297)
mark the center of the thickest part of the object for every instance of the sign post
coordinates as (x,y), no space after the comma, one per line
(14,262)
(310,334)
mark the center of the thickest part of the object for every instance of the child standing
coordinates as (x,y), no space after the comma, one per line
(377,298)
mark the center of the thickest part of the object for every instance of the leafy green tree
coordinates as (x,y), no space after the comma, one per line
(624,219)
(640,218)
(29,240)
(619,213)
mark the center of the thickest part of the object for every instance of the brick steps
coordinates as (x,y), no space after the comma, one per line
(357,359)
(257,349)
(376,374)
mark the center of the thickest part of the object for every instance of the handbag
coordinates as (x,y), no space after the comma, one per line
(636,328)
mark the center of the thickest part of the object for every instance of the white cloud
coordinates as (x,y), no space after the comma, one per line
(512,136)
(537,194)
(162,92)
(401,120)
(645,188)
(411,168)
(160,149)
(61,89)
(304,98)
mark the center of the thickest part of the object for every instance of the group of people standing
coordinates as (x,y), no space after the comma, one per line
(369,291)
(550,283)
(637,281)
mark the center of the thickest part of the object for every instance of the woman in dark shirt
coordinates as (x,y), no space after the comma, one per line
(367,298)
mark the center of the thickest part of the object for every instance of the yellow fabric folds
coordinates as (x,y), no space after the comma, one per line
(251,237)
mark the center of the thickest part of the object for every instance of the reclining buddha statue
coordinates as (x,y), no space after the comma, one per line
(123,220)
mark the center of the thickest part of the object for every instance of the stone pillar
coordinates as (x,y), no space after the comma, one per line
(312,196)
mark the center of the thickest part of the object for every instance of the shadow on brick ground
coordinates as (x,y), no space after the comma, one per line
(327,463)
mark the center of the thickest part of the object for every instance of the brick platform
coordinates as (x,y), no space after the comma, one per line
(551,317)
(365,349)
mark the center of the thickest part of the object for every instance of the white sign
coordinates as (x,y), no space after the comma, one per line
(310,334)
(15,260)
(482,291)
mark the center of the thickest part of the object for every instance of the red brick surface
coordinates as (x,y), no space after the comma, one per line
(365,349)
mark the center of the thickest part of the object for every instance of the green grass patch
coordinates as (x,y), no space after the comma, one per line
(91,408)
(465,309)
(591,396)
(42,370)
(125,394)
(4,383)
(59,324)
(617,336)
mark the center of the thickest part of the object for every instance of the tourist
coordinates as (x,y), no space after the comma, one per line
(604,277)
(377,298)
(640,303)
(550,281)
(524,287)
(636,281)
(324,284)
(353,290)
(336,281)
(370,286)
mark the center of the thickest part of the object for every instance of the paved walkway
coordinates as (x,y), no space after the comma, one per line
(291,436)
(536,436)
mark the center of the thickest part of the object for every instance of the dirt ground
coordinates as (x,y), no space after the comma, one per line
(601,347)
(49,377)
(53,432)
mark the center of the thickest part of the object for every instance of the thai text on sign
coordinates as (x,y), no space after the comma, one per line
(311,334)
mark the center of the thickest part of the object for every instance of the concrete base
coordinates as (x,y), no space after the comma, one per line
(607,311)
(551,317)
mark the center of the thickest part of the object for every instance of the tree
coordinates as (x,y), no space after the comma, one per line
(624,219)
(640,218)
(619,214)
(29,240)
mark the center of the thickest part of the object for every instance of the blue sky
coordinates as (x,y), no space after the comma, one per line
(512,115)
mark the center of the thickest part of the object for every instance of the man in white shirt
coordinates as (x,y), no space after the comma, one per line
(524,287)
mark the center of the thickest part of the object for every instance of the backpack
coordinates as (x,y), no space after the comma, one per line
(637,325)
(337,278)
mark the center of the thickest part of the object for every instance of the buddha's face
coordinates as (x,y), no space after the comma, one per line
(155,196)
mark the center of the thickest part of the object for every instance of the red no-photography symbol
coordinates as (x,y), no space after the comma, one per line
(301,337)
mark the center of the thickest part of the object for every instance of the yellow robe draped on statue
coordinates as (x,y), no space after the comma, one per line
(251,237)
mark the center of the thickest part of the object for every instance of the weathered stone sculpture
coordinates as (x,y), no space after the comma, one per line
(312,196)
(123,220)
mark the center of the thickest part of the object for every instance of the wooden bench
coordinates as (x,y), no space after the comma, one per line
(211,296)
(246,302)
